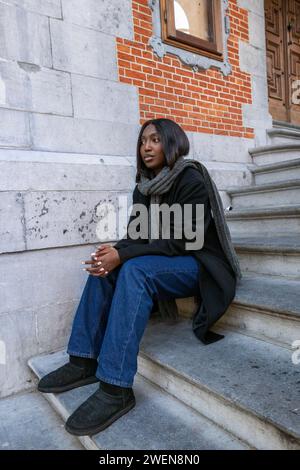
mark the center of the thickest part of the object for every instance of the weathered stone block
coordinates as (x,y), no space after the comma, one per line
(226,175)
(24,36)
(14,129)
(68,172)
(257,33)
(252,60)
(44,7)
(260,93)
(209,147)
(83,51)
(12,230)
(71,217)
(66,134)
(29,87)
(33,279)
(113,17)
(254,116)
(53,324)
(99,99)
(255,6)
(28,332)
(17,331)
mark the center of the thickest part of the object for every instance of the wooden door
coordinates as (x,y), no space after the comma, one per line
(282,18)
(293,43)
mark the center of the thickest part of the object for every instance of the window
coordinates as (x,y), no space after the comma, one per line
(193,25)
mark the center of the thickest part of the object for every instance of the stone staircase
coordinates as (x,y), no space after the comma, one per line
(244,391)
(159,420)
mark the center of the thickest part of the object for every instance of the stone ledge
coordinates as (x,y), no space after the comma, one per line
(241,383)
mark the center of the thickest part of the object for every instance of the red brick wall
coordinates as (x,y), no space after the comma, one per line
(203,101)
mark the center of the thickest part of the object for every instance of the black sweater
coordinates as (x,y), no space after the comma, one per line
(217,282)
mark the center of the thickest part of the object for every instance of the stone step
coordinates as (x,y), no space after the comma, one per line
(274,153)
(276,172)
(158,421)
(285,125)
(29,423)
(280,135)
(266,195)
(264,220)
(264,307)
(248,386)
(276,256)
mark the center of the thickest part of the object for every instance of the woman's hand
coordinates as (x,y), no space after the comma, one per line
(103,261)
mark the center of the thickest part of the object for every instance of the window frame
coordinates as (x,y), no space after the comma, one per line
(170,35)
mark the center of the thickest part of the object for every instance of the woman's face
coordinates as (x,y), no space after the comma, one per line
(151,149)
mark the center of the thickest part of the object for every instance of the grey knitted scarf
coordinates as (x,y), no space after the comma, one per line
(160,184)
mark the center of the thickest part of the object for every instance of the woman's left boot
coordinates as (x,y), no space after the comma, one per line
(100,410)
(77,372)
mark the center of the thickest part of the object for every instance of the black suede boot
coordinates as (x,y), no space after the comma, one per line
(100,410)
(77,372)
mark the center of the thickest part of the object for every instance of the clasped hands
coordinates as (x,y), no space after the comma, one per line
(103,261)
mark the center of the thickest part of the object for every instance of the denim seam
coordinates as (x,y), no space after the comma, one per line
(133,322)
(174,272)
(112,381)
(75,353)
(138,306)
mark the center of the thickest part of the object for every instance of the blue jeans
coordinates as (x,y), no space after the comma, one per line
(114,310)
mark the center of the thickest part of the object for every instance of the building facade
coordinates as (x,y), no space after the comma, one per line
(77,80)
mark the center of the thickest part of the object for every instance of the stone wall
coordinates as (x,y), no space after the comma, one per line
(68,128)
(68,134)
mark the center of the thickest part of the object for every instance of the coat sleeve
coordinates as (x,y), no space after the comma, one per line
(127,241)
(192,193)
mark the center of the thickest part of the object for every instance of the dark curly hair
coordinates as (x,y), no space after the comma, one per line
(174,141)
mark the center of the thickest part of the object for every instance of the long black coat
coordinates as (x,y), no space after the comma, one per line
(217,281)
